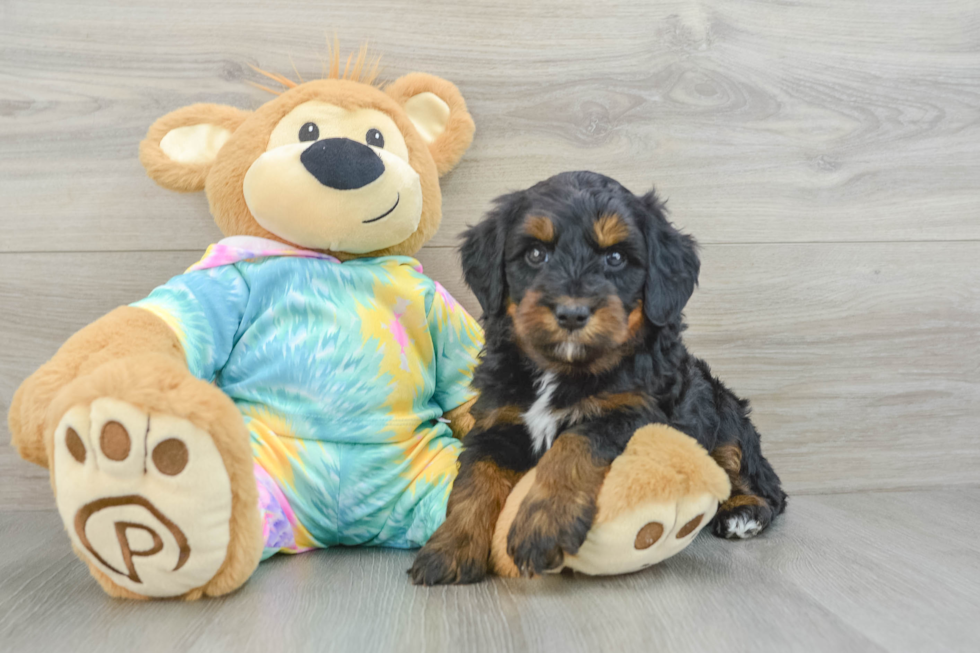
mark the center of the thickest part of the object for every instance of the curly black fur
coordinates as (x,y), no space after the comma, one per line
(651,368)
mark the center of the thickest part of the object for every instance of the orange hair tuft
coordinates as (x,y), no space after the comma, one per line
(358,69)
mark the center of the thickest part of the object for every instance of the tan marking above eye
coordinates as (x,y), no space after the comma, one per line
(335,122)
(540,227)
(115,441)
(610,230)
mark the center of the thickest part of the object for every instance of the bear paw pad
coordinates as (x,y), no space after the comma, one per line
(145,498)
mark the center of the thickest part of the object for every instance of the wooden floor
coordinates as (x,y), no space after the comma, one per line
(826,154)
(850,572)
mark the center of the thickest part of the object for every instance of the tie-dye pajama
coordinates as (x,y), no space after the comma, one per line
(342,372)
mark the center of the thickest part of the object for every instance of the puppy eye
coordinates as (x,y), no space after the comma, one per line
(309,132)
(536,257)
(375,138)
(615,259)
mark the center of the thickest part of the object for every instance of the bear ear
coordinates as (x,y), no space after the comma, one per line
(439,113)
(180,147)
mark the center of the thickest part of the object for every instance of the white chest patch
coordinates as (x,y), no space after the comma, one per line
(539,419)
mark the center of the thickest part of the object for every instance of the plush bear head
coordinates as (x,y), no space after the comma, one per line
(336,165)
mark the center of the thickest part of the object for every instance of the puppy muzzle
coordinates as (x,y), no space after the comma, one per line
(570,331)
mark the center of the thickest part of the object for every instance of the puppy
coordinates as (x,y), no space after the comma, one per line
(582,285)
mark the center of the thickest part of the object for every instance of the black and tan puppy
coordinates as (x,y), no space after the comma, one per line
(582,285)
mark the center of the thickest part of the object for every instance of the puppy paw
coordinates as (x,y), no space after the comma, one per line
(742,517)
(146,499)
(544,532)
(446,560)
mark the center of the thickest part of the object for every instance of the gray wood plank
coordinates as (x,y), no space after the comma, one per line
(823,579)
(762,122)
(889,547)
(860,359)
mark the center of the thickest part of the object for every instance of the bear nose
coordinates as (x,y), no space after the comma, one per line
(572,316)
(342,163)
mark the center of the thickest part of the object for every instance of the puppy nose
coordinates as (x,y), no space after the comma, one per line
(342,164)
(572,316)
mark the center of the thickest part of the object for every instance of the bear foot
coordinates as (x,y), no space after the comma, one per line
(658,495)
(145,498)
(644,536)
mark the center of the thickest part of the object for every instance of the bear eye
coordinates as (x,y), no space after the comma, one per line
(375,138)
(615,259)
(309,132)
(536,256)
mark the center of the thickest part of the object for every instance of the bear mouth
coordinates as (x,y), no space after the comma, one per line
(398,198)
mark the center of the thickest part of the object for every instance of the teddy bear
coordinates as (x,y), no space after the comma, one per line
(304,385)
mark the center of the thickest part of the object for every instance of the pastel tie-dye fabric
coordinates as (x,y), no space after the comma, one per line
(342,372)
(250,248)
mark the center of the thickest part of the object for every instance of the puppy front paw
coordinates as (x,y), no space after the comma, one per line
(448,560)
(544,532)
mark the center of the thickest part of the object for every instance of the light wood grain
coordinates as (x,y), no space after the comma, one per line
(821,120)
(860,359)
(855,572)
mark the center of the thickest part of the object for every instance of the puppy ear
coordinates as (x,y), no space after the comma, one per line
(439,113)
(482,254)
(180,147)
(672,272)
